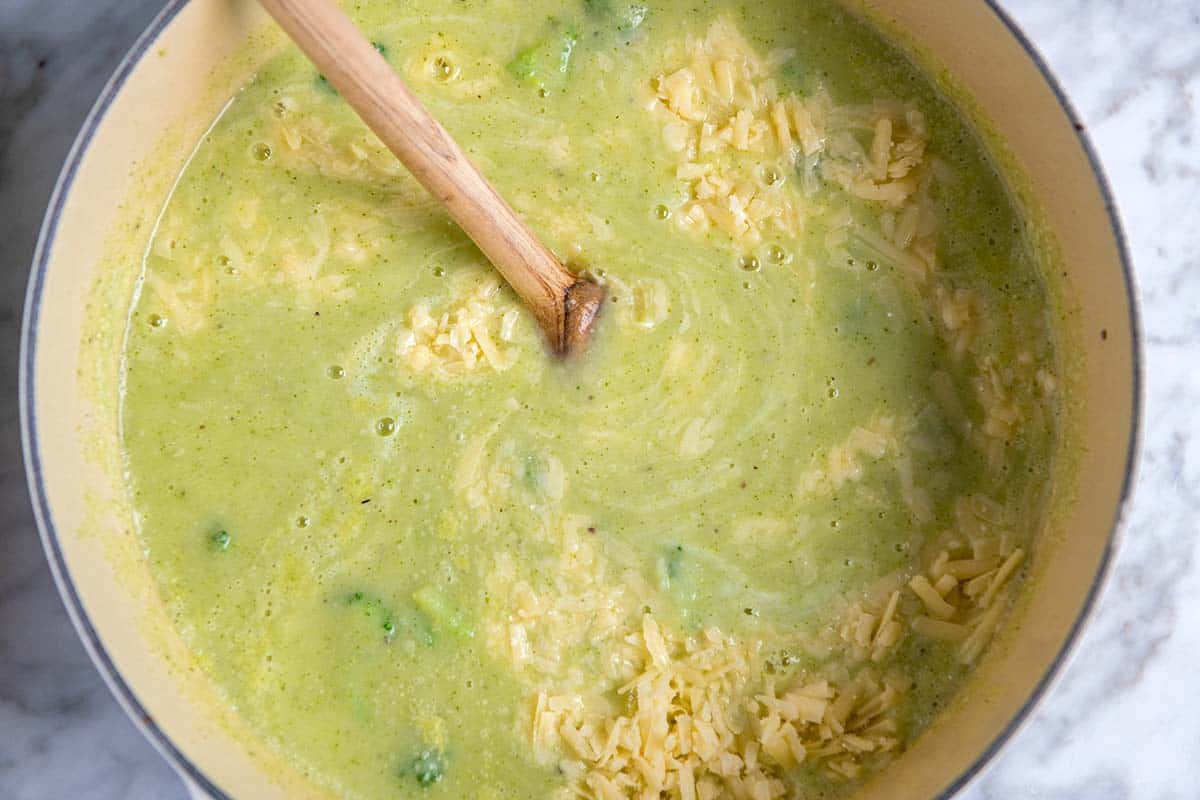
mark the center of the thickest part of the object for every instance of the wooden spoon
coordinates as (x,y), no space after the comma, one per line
(564,304)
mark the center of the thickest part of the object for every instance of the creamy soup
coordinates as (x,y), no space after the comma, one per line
(747,547)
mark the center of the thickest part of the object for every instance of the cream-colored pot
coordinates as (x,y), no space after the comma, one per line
(165,82)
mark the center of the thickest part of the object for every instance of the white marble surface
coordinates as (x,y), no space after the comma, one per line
(1125,720)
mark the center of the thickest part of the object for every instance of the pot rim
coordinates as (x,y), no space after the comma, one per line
(121,688)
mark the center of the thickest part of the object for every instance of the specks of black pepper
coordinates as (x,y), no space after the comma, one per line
(871,361)
(592,529)
(316,313)
(1104,334)
(743,484)
(364,502)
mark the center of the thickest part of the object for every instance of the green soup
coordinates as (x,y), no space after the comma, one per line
(746,547)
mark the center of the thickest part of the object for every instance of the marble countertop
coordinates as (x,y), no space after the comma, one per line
(1124,721)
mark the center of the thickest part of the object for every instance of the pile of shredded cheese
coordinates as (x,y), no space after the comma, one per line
(469,335)
(627,707)
(750,157)
(721,103)
(692,724)
(959,597)
(889,170)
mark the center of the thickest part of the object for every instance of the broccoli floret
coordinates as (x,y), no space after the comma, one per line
(674,563)
(677,575)
(546,63)
(428,767)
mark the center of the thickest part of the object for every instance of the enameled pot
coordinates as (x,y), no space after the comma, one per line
(156,105)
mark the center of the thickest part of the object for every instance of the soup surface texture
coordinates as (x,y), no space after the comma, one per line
(746,547)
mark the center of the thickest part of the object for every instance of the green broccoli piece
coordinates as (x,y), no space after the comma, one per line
(220,540)
(677,574)
(546,63)
(674,564)
(428,767)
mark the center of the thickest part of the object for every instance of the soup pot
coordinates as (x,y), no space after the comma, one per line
(155,107)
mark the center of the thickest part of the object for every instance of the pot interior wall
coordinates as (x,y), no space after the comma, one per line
(93,545)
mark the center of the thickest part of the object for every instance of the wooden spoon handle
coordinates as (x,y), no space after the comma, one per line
(563,304)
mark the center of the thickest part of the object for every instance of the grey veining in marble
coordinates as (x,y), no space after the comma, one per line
(1124,722)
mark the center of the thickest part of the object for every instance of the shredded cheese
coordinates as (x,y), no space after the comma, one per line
(958,597)
(475,332)
(749,155)
(692,726)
